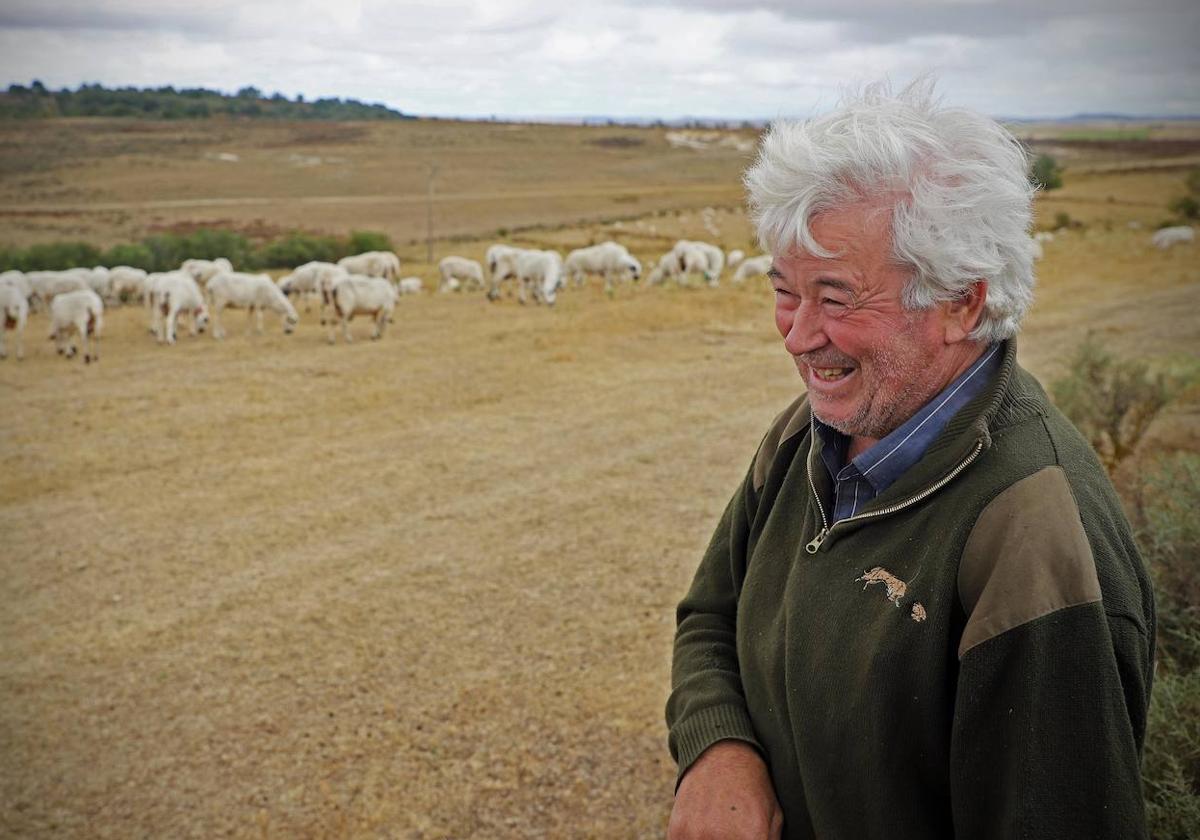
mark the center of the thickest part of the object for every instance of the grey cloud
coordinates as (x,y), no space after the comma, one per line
(131,17)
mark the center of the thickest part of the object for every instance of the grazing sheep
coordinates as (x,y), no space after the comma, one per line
(18,281)
(734,257)
(356,294)
(47,284)
(127,282)
(539,272)
(502,265)
(411,285)
(177,293)
(468,273)
(1168,237)
(1044,236)
(315,276)
(252,292)
(372,264)
(712,256)
(752,267)
(79,312)
(204,270)
(14,308)
(609,259)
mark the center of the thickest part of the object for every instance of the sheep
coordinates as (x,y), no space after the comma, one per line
(540,272)
(252,292)
(14,308)
(680,262)
(317,277)
(752,267)
(177,293)
(734,257)
(411,285)
(47,284)
(608,259)
(356,294)
(502,265)
(82,312)
(127,281)
(18,281)
(713,259)
(1168,237)
(98,280)
(204,270)
(468,272)
(1044,236)
(1035,246)
(372,264)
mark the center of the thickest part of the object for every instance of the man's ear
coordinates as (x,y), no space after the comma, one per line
(962,315)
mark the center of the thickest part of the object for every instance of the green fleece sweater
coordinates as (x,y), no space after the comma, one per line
(970,656)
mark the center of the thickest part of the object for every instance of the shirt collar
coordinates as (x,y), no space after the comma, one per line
(888,459)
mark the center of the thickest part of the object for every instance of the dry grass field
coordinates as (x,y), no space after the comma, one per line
(421,587)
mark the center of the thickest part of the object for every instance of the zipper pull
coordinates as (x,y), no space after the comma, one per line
(812,547)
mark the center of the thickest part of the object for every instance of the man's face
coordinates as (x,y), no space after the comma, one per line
(869,364)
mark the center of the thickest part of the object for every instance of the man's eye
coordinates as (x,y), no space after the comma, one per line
(832,302)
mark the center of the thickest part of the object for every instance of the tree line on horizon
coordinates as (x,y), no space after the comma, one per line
(169,103)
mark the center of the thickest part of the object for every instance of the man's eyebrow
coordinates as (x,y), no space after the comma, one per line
(834,283)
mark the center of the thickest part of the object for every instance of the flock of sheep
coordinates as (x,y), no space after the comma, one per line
(363,284)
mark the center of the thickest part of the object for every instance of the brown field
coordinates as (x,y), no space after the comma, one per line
(422,587)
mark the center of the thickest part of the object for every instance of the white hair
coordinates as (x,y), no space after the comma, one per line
(955,181)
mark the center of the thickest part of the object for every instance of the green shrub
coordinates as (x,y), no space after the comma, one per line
(1045,173)
(137,256)
(1187,207)
(298,248)
(368,240)
(1170,542)
(56,256)
(1111,401)
(1062,220)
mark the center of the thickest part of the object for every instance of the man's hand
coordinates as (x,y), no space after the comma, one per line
(726,794)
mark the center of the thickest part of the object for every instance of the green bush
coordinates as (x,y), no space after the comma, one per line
(1062,220)
(1170,541)
(55,256)
(298,248)
(1187,207)
(137,256)
(1045,173)
(1111,401)
(368,240)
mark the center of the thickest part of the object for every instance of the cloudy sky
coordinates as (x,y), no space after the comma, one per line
(656,58)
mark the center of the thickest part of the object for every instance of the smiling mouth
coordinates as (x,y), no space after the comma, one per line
(832,374)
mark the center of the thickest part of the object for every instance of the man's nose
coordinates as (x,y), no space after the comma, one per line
(806,332)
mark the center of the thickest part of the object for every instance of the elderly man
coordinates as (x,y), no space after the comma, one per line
(922,614)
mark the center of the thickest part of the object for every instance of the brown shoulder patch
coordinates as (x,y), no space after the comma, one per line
(1026,557)
(792,420)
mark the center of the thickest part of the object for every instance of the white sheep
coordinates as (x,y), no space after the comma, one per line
(752,267)
(127,281)
(468,273)
(539,272)
(734,257)
(356,294)
(18,281)
(502,265)
(610,260)
(79,312)
(372,264)
(177,293)
(14,308)
(204,270)
(252,292)
(713,259)
(410,285)
(1168,237)
(47,284)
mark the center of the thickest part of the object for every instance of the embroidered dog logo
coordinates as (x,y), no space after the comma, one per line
(894,588)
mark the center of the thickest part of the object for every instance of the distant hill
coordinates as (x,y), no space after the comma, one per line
(169,103)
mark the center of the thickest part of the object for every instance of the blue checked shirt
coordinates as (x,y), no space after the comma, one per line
(872,472)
